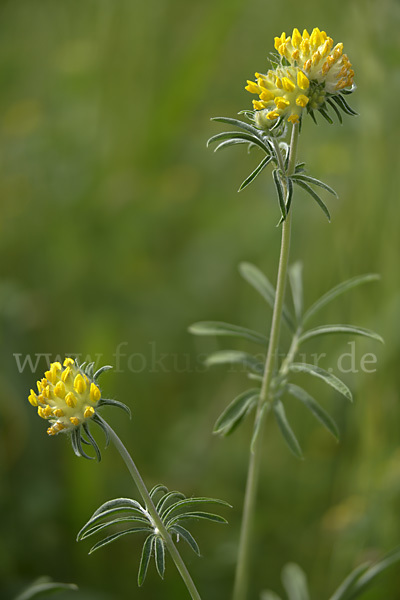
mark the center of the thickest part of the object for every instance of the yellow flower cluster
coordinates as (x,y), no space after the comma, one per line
(316,56)
(316,68)
(281,92)
(66,397)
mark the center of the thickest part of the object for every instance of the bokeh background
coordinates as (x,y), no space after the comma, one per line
(119,228)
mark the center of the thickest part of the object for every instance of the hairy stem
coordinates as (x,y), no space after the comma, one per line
(141,486)
(242,569)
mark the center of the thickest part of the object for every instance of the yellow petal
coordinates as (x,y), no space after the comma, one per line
(302,81)
(273,115)
(296,38)
(79,384)
(70,400)
(59,390)
(302,100)
(33,398)
(252,87)
(266,95)
(65,374)
(287,85)
(89,412)
(95,393)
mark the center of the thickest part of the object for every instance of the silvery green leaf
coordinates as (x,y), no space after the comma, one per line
(338,290)
(341,102)
(96,528)
(158,488)
(296,284)
(236,411)
(126,503)
(167,500)
(336,110)
(285,428)
(159,556)
(344,590)
(199,515)
(44,587)
(280,192)
(257,425)
(145,559)
(227,329)
(314,181)
(295,582)
(224,135)
(240,124)
(235,357)
(89,370)
(76,443)
(349,329)
(91,441)
(117,403)
(313,406)
(300,167)
(232,142)
(115,536)
(99,517)
(330,379)
(246,137)
(265,161)
(187,536)
(100,371)
(289,194)
(189,502)
(262,285)
(313,195)
(325,115)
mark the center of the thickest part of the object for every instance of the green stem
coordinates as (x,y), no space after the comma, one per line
(242,569)
(143,491)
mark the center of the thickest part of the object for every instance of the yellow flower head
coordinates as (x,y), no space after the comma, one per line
(313,74)
(282,93)
(69,397)
(318,58)
(66,397)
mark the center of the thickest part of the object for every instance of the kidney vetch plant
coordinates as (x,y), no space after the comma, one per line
(308,75)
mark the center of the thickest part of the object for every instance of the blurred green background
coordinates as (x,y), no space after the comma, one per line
(118,229)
